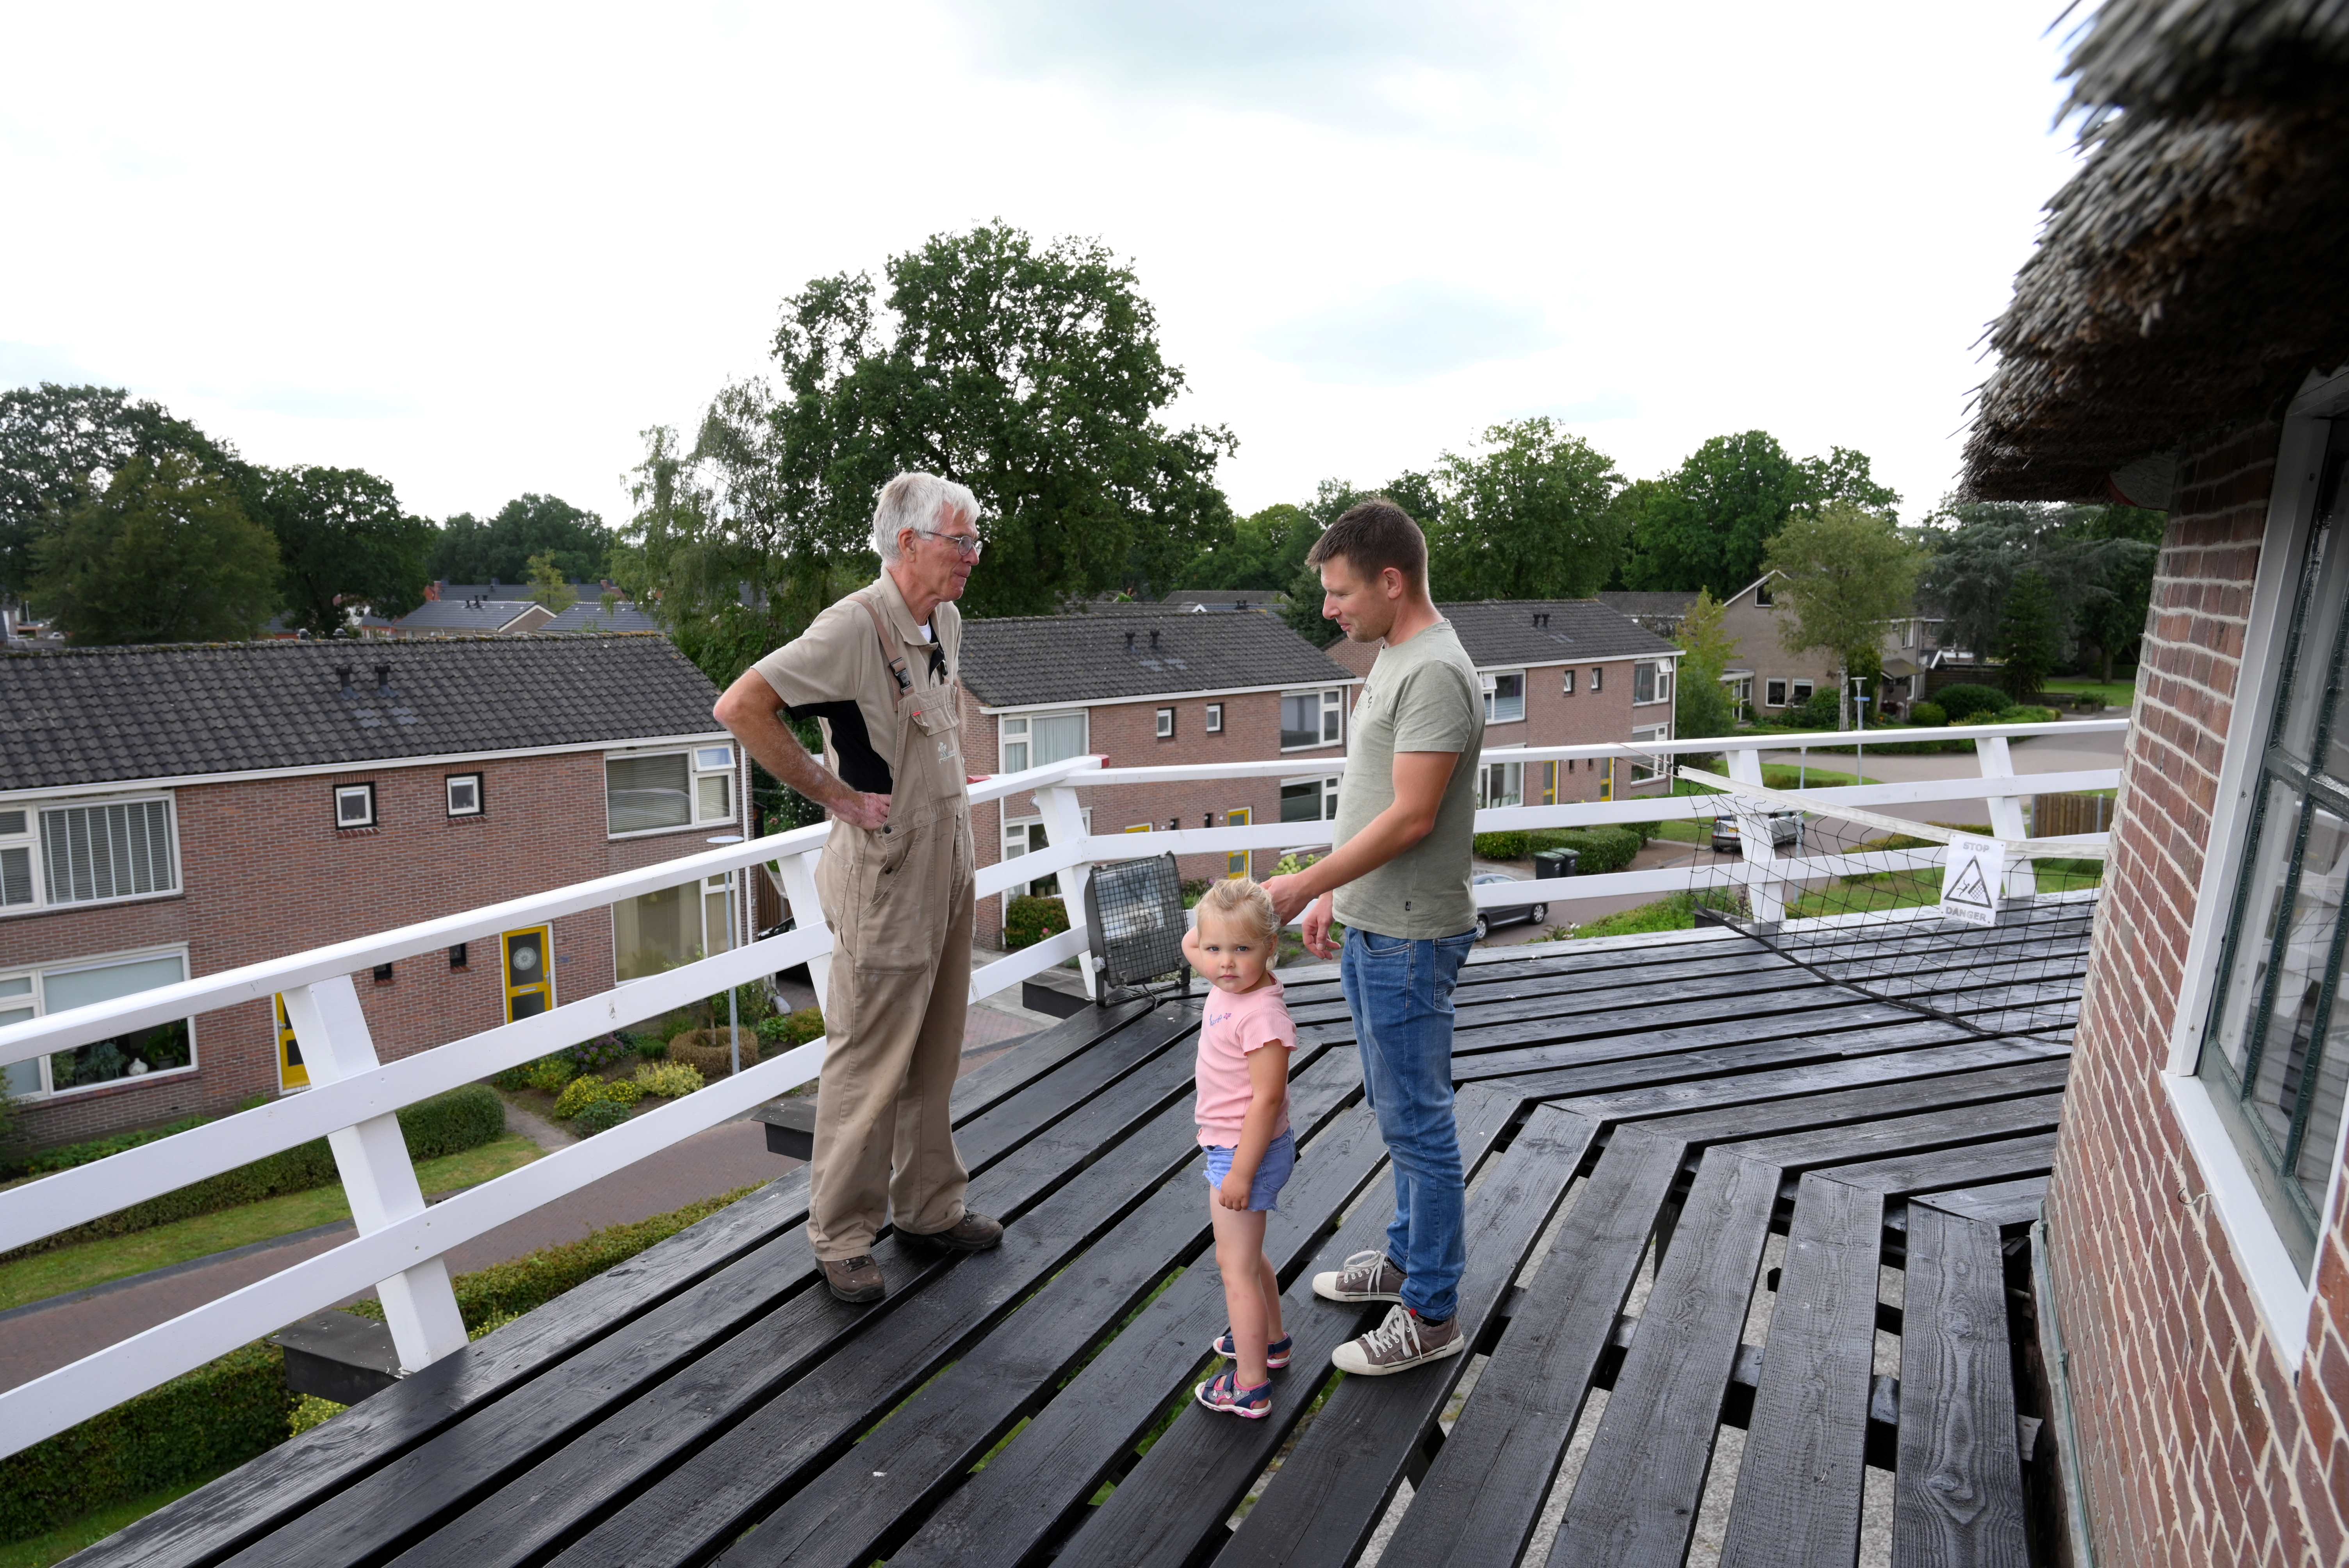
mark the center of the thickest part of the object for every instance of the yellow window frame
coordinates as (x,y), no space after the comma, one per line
(1236,863)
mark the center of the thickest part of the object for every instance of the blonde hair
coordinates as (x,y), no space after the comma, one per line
(1244,900)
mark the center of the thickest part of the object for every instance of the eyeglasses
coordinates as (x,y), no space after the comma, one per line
(966,545)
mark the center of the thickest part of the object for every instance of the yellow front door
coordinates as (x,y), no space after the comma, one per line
(291,1073)
(528,971)
(1235,864)
(1607,781)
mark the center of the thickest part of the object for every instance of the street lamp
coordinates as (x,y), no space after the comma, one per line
(733,1011)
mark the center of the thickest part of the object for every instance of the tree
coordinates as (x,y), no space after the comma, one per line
(1527,519)
(1416,493)
(1031,373)
(165,555)
(60,445)
(1700,706)
(1848,572)
(2030,635)
(548,587)
(1265,551)
(468,550)
(342,540)
(2097,560)
(1709,524)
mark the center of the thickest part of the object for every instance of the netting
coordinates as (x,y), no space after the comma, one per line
(1989,933)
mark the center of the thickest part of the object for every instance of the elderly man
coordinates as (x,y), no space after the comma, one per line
(877,670)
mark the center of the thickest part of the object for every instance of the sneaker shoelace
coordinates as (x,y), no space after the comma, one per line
(1363,1268)
(1399,1334)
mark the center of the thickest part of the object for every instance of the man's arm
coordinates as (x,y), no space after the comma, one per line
(1420,781)
(749,709)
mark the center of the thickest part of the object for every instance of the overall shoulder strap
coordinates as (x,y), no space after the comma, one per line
(889,654)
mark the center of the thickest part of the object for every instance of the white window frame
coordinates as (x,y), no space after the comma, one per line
(1598,679)
(1799,692)
(1018,729)
(1569,682)
(38,999)
(1328,782)
(701,762)
(1487,799)
(2235,1192)
(1659,678)
(1215,718)
(362,793)
(30,841)
(697,888)
(449,790)
(1493,714)
(1164,724)
(1332,714)
(1003,847)
(1773,692)
(1642,772)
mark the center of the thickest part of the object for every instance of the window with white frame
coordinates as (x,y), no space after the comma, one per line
(28,994)
(657,932)
(355,806)
(1165,724)
(464,791)
(1646,765)
(1215,718)
(1801,693)
(1311,719)
(1308,800)
(650,792)
(1570,683)
(1774,693)
(1025,836)
(1504,699)
(1651,681)
(1598,679)
(102,851)
(2275,1046)
(1500,784)
(1028,741)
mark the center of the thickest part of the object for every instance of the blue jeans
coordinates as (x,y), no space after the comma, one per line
(1400,993)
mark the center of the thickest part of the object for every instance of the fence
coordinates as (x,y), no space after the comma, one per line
(354,1094)
(2062,816)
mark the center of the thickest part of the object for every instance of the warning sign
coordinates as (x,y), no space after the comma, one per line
(1971,883)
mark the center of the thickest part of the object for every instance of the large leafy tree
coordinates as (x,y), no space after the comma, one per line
(164,554)
(1701,705)
(1265,551)
(1030,372)
(2097,562)
(1847,571)
(60,446)
(1709,523)
(1528,518)
(341,539)
(2029,633)
(469,549)
(1419,494)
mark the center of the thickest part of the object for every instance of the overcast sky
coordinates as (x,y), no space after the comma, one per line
(477,249)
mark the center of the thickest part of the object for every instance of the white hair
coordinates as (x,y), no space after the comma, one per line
(919,502)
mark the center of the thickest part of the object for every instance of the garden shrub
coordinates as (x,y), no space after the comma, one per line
(446,1124)
(1959,702)
(1603,849)
(710,1051)
(1504,846)
(623,1091)
(1030,920)
(66,1156)
(601,1116)
(1818,711)
(590,1056)
(2021,713)
(670,1081)
(1645,830)
(577,1096)
(1289,865)
(549,1074)
(651,1048)
(1927,714)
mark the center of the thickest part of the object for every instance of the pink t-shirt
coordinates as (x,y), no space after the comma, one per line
(1235,1025)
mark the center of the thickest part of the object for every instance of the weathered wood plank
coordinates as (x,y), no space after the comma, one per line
(2003,1204)
(1786,1083)
(1957,1494)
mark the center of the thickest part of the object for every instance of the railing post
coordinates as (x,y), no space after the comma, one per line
(2006,812)
(1064,823)
(807,912)
(1762,891)
(378,1176)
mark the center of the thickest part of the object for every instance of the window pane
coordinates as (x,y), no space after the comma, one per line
(107,852)
(17,875)
(2316,621)
(19,1078)
(11,822)
(641,792)
(714,797)
(714,921)
(1301,802)
(1643,683)
(714,758)
(1505,703)
(157,1048)
(1301,719)
(657,932)
(1056,738)
(1333,711)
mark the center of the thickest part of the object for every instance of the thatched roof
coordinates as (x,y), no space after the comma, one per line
(2189,276)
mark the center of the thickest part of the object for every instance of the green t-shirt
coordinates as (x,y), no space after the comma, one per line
(1421,696)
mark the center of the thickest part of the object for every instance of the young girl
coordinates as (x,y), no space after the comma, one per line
(1243,1115)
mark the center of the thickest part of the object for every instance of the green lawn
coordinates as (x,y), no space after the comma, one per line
(40,1551)
(1914,890)
(85,1264)
(2114,693)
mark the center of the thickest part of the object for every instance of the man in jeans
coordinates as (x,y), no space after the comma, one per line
(1399,880)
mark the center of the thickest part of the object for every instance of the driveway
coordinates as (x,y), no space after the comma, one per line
(2053,752)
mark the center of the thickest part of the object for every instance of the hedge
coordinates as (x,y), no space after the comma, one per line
(1030,920)
(1958,701)
(231,1409)
(1601,849)
(462,1118)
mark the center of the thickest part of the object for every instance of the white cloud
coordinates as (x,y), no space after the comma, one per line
(1407,332)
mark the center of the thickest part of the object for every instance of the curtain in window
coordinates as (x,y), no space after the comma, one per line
(90,852)
(642,792)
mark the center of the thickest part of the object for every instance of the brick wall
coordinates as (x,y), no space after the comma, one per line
(2199,1446)
(265,873)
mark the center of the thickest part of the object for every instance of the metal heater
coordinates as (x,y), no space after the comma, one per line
(1135,920)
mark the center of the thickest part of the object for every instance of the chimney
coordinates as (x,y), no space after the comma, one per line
(344,673)
(383,678)
(1129,642)
(1153,639)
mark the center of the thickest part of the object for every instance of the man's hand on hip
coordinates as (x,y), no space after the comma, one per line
(860,809)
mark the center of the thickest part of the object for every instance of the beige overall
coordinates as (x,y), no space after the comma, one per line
(900,904)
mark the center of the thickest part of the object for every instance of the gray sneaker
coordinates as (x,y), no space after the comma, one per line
(1367,1276)
(1404,1341)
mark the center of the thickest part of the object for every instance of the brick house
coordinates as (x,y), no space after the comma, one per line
(167,812)
(1560,672)
(1764,677)
(2178,340)
(1146,685)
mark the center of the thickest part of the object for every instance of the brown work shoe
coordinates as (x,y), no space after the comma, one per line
(856,1279)
(1404,1341)
(1367,1276)
(974,1233)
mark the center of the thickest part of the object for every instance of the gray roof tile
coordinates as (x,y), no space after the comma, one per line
(1498,633)
(1023,660)
(91,716)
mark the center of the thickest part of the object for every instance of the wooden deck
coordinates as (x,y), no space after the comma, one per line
(1688,1158)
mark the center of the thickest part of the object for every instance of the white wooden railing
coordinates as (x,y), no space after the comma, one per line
(354,1094)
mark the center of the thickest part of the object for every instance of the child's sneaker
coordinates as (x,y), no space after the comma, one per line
(1276,1355)
(1222,1392)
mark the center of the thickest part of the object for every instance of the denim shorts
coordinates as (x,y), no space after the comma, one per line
(1271,1172)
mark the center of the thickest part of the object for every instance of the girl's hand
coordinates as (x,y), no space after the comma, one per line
(1234,1192)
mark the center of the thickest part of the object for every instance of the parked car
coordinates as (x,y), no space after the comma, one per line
(1507,915)
(1785,832)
